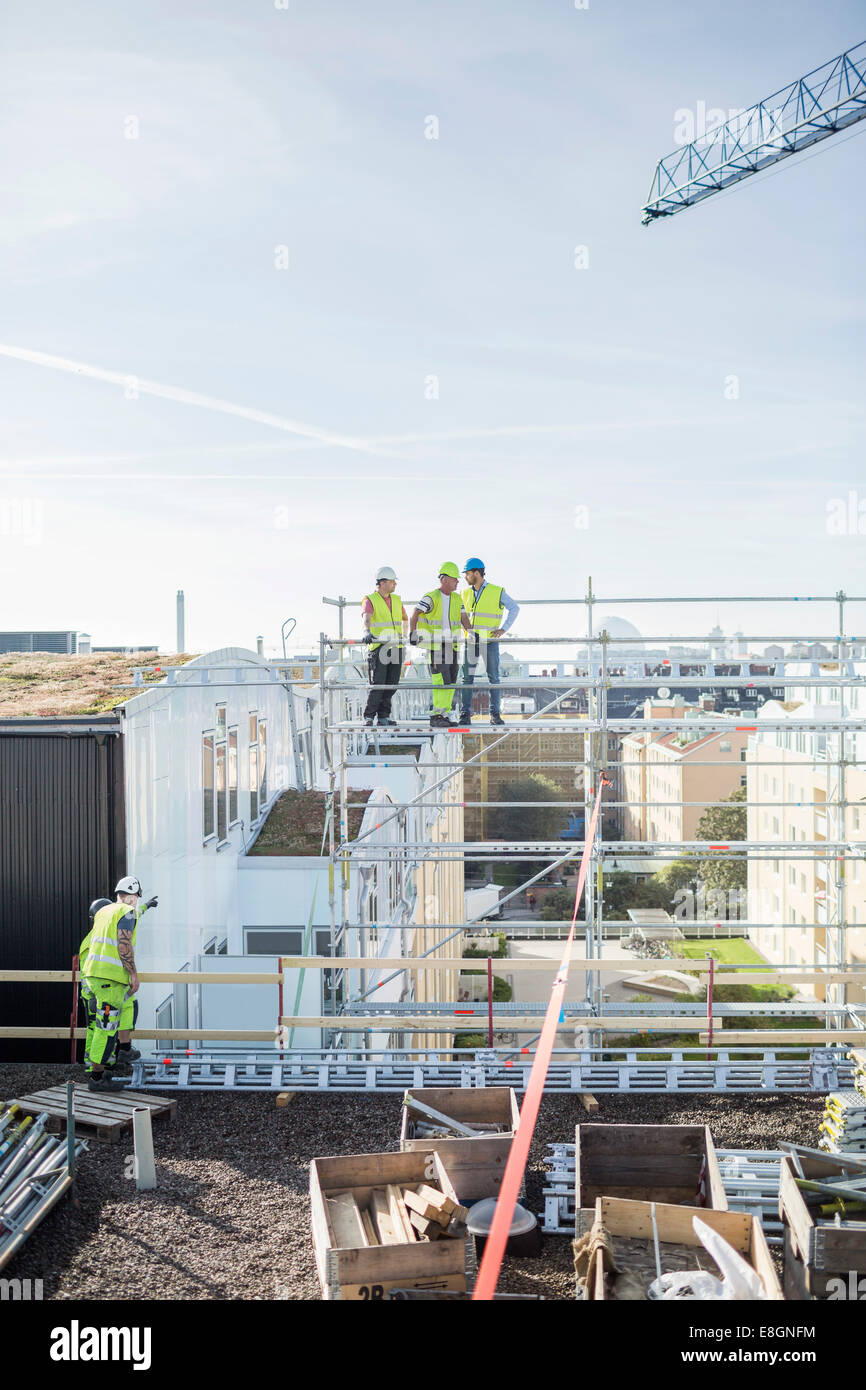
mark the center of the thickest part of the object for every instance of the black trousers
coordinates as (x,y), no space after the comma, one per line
(382,673)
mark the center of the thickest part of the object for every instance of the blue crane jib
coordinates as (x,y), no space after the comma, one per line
(810,109)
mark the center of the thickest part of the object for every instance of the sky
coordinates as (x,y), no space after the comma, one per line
(293,290)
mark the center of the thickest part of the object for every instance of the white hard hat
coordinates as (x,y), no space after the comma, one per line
(128,885)
(385,572)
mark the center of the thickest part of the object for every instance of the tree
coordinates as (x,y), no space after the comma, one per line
(622,891)
(678,881)
(719,825)
(558,905)
(527,822)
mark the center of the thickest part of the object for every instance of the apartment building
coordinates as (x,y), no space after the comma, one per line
(676,768)
(796,795)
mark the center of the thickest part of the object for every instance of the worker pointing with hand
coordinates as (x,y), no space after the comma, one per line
(437,622)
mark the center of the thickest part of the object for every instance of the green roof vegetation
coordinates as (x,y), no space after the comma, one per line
(296,822)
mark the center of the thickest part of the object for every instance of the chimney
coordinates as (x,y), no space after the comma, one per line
(707,702)
(181,622)
(260,646)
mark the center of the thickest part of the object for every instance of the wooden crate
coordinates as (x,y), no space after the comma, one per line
(647,1163)
(100,1116)
(815,1254)
(633,1220)
(366,1272)
(475,1166)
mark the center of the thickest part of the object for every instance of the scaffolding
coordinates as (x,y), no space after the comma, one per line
(603,664)
(368,1042)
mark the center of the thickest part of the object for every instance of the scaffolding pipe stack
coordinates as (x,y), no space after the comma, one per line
(35,1172)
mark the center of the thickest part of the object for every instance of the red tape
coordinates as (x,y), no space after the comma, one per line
(494,1249)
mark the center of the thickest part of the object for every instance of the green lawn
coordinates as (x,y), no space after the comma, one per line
(728,950)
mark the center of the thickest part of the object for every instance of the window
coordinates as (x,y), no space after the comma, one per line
(223,948)
(725,745)
(163,1013)
(209,948)
(220,721)
(233,776)
(221,798)
(263,762)
(273,941)
(254,767)
(207,786)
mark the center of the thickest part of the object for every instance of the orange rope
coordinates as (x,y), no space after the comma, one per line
(494,1250)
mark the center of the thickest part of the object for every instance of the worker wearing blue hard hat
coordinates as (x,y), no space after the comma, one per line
(486,605)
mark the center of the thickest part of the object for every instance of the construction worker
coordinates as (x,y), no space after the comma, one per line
(112,980)
(485,604)
(385,621)
(437,622)
(86,992)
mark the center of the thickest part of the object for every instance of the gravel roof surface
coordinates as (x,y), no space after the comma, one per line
(230,1217)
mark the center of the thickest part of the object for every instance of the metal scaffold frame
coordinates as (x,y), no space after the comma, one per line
(346,745)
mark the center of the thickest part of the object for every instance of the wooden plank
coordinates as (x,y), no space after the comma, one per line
(427,1229)
(588,1102)
(668,1140)
(421,1207)
(475,1166)
(622,1217)
(598,1281)
(399,1212)
(762,1262)
(285,1098)
(323,1234)
(380,1211)
(501,966)
(443,1204)
(369,1228)
(147,977)
(345,1220)
(471,1104)
(716,1195)
(811,1037)
(794,1212)
(163,1034)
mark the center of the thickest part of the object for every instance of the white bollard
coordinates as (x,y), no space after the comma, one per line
(142,1134)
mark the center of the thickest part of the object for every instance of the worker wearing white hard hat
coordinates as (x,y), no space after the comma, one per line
(112,981)
(385,623)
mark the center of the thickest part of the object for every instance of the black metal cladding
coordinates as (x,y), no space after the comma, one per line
(62,844)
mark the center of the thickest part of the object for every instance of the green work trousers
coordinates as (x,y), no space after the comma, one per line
(110,1010)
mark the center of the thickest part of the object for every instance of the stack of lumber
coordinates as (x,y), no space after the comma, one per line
(395,1215)
(843,1129)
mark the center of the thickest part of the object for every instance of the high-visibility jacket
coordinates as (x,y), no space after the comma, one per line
(431,623)
(102,956)
(386,624)
(485,609)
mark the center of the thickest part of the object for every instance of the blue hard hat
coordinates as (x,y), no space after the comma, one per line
(473,564)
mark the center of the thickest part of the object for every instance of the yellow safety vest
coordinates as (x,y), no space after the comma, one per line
(386,623)
(103,958)
(485,609)
(431,623)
